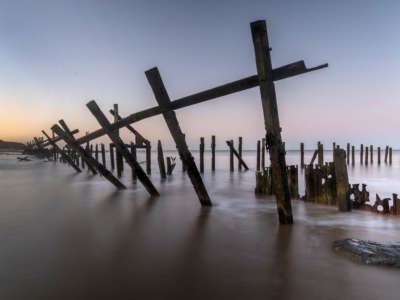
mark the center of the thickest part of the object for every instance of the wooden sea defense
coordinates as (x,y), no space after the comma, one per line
(366,155)
(62,153)
(302,155)
(264,181)
(240,152)
(293,181)
(134,155)
(213,153)
(390,155)
(320,184)
(386,153)
(148,159)
(161,95)
(379,155)
(320,154)
(262,154)
(271,119)
(314,157)
(352,155)
(258,156)
(171,163)
(234,152)
(261,183)
(118,155)
(361,153)
(201,152)
(395,210)
(112,161)
(231,165)
(103,155)
(371,151)
(120,146)
(342,181)
(96,153)
(348,154)
(160,159)
(56,139)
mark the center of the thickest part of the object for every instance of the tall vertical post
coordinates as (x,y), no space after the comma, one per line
(96,153)
(148,158)
(361,153)
(366,155)
(320,154)
(379,155)
(119,159)
(103,155)
(348,153)
(240,152)
(271,119)
(111,149)
(386,153)
(342,181)
(231,165)
(133,151)
(258,155)
(371,151)
(390,155)
(302,155)
(213,153)
(263,154)
(201,155)
(352,155)
(160,159)
(333,151)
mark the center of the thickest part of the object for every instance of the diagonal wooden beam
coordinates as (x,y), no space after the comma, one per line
(271,120)
(241,161)
(66,157)
(161,95)
(57,138)
(120,146)
(88,158)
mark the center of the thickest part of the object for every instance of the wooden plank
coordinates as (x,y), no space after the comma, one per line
(271,119)
(62,153)
(161,95)
(57,138)
(240,159)
(161,161)
(120,146)
(88,158)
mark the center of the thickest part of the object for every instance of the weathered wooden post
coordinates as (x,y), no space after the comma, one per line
(96,153)
(371,151)
(201,155)
(234,152)
(320,154)
(161,95)
(386,153)
(213,153)
(263,154)
(333,150)
(258,155)
(231,165)
(361,153)
(91,149)
(183,165)
(103,155)
(390,155)
(119,160)
(366,155)
(302,155)
(352,155)
(160,159)
(120,146)
(342,181)
(348,154)
(379,155)
(148,158)
(271,118)
(111,149)
(240,152)
(134,155)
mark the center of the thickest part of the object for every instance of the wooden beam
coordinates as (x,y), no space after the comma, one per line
(120,146)
(241,161)
(62,153)
(271,118)
(161,95)
(57,138)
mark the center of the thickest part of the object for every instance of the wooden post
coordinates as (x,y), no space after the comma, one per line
(390,155)
(233,151)
(302,155)
(366,155)
(386,153)
(120,146)
(120,161)
(183,165)
(240,153)
(361,153)
(213,152)
(161,95)
(371,151)
(133,152)
(271,119)
(170,165)
(342,181)
(320,154)
(112,156)
(348,153)
(258,155)
(62,153)
(103,155)
(263,154)
(333,150)
(352,155)
(201,155)
(231,166)
(379,155)
(160,159)
(148,158)
(96,153)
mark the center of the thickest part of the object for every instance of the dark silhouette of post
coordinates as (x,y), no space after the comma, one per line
(240,153)
(352,155)
(348,153)
(233,152)
(271,119)
(379,155)
(161,161)
(103,155)
(361,153)
(231,165)
(133,152)
(118,156)
(201,153)
(213,153)
(302,155)
(148,158)
(371,151)
(112,161)
(258,155)
(386,153)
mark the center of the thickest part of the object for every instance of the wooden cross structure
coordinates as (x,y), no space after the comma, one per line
(265,78)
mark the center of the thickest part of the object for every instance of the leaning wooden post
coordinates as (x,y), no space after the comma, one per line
(112,156)
(361,153)
(386,153)
(103,155)
(379,155)
(231,166)
(271,119)
(258,155)
(263,154)
(342,181)
(366,155)
(120,146)
(390,155)
(213,153)
(148,158)
(302,155)
(201,152)
(161,95)
(119,160)
(160,159)
(240,152)
(352,155)
(348,153)
(234,152)
(134,155)
(62,153)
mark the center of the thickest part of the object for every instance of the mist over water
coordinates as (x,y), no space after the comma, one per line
(65,235)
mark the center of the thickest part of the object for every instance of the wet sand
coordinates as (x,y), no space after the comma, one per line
(69,236)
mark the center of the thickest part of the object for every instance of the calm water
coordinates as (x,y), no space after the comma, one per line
(73,236)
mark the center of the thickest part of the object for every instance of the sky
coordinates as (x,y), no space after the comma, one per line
(55,56)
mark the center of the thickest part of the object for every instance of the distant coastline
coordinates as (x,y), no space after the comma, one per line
(11,146)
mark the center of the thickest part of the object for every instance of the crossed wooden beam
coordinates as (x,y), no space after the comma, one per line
(264,78)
